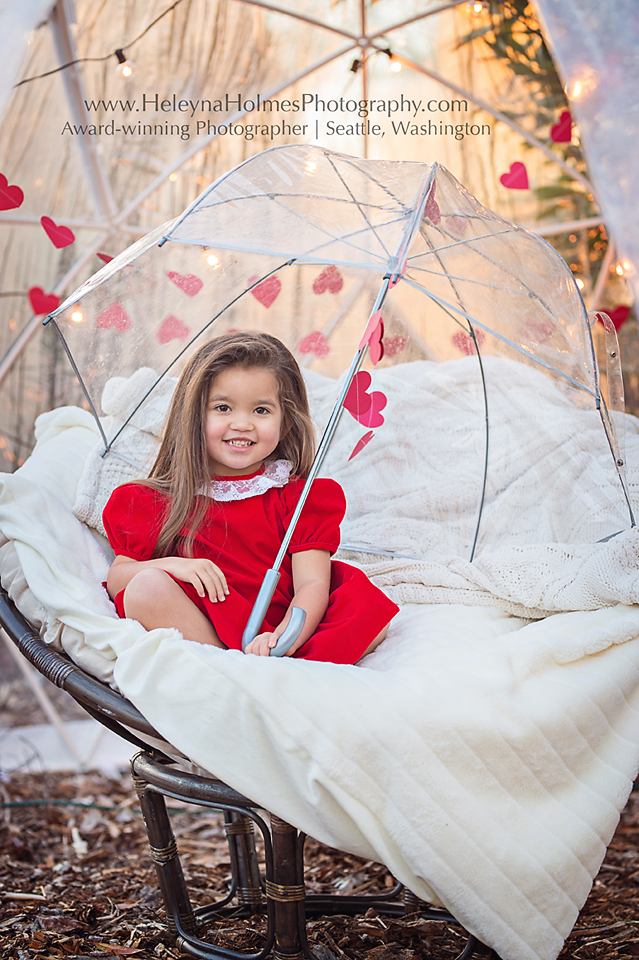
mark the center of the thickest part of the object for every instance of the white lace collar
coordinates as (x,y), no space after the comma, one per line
(275,474)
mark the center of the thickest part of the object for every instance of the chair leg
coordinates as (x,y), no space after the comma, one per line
(241,839)
(163,848)
(286,890)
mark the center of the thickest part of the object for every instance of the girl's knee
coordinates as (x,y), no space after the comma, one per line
(148,588)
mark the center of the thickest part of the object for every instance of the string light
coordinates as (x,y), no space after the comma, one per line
(118,53)
(125,68)
(580,283)
(77,316)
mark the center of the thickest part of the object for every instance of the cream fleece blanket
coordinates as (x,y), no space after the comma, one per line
(483,758)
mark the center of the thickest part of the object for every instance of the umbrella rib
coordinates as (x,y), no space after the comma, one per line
(460,300)
(532,293)
(332,237)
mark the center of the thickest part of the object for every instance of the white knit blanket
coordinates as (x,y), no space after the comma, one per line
(483,758)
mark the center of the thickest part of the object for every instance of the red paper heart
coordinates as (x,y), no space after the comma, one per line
(372,324)
(59,236)
(189,283)
(619,315)
(365,407)
(172,328)
(359,446)
(431,209)
(516,178)
(267,291)
(42,302)
(394,345)
(10,196)
(375,343)
(105,257)
(465,343)
(316,343)
(114,317)
(329,279)
(562,131)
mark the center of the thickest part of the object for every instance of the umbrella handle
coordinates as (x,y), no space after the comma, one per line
(292,632)
(261,605)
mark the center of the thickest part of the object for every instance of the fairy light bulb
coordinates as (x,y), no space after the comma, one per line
(580,283)
(77,316)
(395,66)
(213,261)
(125,68)
(619,270)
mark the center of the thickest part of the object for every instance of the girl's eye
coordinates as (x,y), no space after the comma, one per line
(222,407)
(262,410)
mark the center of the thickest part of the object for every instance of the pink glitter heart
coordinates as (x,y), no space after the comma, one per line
(172,328)
(316,343)
(394,345)
(114,317)
(266,292)
(189,283)
(465,343)
(329,279)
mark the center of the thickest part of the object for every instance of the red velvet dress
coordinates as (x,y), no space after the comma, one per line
(242,537)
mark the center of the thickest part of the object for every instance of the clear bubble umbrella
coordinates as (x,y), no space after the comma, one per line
(439,341)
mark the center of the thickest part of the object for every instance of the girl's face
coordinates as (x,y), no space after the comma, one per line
(243,420)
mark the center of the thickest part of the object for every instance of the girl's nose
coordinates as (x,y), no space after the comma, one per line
(241,421)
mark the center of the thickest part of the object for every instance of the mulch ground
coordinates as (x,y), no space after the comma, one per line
(76,880)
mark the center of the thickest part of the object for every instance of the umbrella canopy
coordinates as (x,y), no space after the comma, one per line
(479,387)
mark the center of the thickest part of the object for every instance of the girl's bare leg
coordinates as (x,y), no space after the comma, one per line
(154,599)
(376,642)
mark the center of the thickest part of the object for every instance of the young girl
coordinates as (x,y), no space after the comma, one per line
(193,541)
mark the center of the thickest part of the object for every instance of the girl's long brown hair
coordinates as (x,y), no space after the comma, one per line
(182,464)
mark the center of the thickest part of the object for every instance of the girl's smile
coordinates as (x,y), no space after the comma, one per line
(243,420)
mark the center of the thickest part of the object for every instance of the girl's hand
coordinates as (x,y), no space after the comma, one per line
(262,644)
(204,575)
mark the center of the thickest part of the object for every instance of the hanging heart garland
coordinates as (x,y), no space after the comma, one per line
(42,302)
(561,132)
(11,196)
(516,178)
(58,235)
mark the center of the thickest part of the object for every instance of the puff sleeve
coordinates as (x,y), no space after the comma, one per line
(133,519)
(318,525)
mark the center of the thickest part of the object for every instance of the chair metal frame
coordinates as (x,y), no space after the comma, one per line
(156,776)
